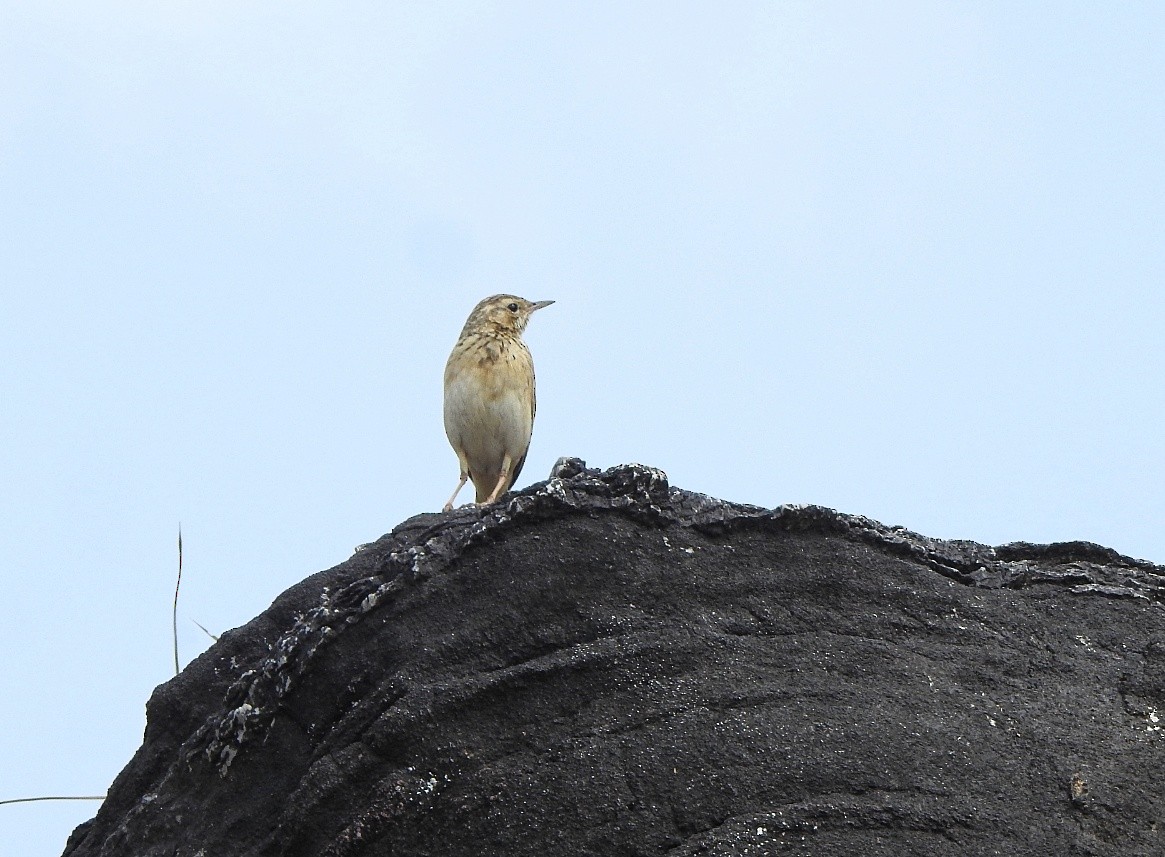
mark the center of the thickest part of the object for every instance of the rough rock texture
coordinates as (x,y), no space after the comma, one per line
(604,665)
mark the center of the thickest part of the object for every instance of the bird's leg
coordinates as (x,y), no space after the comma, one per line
(503,478)
(460,484)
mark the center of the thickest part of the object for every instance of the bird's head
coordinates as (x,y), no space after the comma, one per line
(504,313)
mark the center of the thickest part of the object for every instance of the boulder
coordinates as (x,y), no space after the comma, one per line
(602,664)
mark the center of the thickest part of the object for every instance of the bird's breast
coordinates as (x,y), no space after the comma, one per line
(489,396)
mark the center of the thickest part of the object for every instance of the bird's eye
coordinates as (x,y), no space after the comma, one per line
(512,307)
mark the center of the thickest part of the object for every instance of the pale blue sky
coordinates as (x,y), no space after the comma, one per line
(901,259)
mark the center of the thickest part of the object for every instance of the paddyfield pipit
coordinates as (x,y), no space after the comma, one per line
(489,396)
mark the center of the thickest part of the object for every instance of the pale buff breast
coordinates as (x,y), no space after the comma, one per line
(489,407)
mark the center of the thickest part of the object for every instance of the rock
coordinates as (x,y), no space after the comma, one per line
(605,665)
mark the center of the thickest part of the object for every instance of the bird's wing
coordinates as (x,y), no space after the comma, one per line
(533,411)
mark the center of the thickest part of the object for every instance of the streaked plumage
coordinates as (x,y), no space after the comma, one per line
(489,396)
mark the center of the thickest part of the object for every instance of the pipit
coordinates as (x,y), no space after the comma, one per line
(489,396)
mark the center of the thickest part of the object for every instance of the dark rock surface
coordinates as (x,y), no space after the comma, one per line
(604,665)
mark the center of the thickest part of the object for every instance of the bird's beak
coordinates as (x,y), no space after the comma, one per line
(540,304)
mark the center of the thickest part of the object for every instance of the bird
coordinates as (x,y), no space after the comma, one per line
(489,396)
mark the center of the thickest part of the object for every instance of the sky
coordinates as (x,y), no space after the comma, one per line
(902,259)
